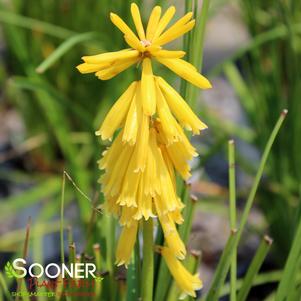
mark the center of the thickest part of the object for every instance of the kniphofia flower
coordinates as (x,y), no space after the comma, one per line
(150,146)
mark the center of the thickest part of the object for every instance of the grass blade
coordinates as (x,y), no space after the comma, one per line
(222,268)
(224,263)
(254,267)
(34,24)
(12,204)
(291,268)
(259,173)
(64,48)
(232,190)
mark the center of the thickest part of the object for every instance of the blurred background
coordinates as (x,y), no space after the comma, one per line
(49,113)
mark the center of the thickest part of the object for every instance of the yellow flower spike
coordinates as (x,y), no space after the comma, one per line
(139,180)
(148,92)
(120,24)
(180,108)
(186,71)
(153,23)
(126,244)
(160,40)
(137,21)
(172,237)
(187,282)
(117,113)
(168,54)
(164,21)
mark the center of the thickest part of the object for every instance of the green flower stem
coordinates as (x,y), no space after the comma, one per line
(148,261)
(184,229)
(232,192)
(255,265)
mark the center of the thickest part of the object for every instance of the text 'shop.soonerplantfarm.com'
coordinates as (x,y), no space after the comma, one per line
(148,119)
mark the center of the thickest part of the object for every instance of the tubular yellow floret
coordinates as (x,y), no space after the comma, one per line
(117,113)
(137,21)
(91,68)
(169,54)
(120,24)
(187,282)
(111,57)
(148,92)
(131,123)
(153,23)
(115,69)
(180,108)
(167,120)
(173,34)
(126,244)
(174,28)
(164,21)
(186,71)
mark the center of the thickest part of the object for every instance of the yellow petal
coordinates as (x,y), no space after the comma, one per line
(110,155)
(110,57)
(186,71)
(88,68)
(117,113)
(131,123)
(127,217)
(128,196)
(172,237)
(170,54)
(113,178)
(164,21)
(187,282)
(118,22)
(160,40)
(126,244)
(137,21)
(173,33)
(180,108)
(141,145)
(148,92)
(167,120)
(153,22)
(116,68)
(134,44)
(150,179)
